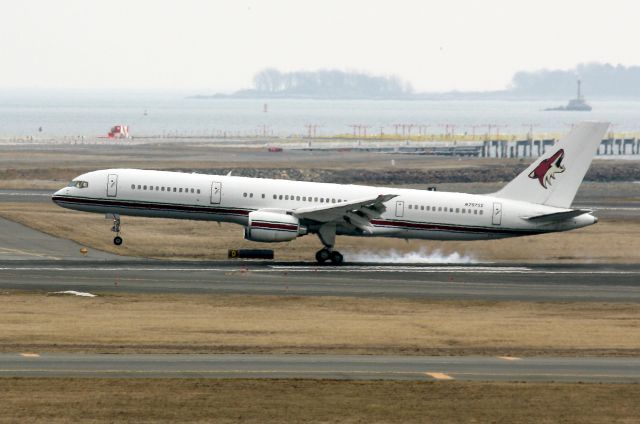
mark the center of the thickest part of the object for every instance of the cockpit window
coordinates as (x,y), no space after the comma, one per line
(79,184)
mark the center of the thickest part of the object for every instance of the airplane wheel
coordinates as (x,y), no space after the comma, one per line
(117,240)
(322,255)
(336,258)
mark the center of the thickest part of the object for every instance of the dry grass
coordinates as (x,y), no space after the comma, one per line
(234,323)
(164,238)
(54,400)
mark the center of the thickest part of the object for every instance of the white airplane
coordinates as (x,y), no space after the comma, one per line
(537,201)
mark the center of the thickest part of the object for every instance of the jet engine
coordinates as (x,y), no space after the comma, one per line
(269,227)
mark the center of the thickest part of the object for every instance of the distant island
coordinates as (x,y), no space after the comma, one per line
(322,84)
(599,80)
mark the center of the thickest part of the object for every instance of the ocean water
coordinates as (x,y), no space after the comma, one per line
(170,114)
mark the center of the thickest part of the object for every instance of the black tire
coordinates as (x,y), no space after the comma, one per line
(336,258)
(117,240)
(322,256)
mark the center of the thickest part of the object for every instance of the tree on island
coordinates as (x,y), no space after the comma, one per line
(328,83)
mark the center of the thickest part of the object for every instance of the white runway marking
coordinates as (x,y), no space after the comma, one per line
(327,269)
(510,358)
(20,252)
(29,355)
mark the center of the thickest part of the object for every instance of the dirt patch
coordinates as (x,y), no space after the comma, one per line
(57,400)
(286,324)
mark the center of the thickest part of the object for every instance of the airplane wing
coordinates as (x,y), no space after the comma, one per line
(356,212)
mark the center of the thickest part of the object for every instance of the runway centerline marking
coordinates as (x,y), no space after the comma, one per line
(439,375)
(29,355)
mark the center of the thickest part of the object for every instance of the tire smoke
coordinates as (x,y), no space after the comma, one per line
(422,256)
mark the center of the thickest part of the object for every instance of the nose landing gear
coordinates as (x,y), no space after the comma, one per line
(117,240)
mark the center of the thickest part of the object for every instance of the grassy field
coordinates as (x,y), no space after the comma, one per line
(54,400)
(281,324)
(176,239)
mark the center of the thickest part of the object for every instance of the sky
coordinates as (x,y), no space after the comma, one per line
(202,47)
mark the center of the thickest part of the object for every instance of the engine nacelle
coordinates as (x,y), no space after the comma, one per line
(270,227)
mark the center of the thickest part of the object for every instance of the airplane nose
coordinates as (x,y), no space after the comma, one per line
(57,194)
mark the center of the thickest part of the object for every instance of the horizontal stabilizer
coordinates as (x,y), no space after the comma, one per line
(558,216)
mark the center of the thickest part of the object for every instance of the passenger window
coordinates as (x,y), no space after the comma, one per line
(445,209)
(475,211)
(322,200)
(193,191)
(286,197)
(133,186)
(410,206)
(145,187)
(243,194)
(174,189)
(304,198)
(162,188)
(315,199)
(262,194)
(464,210)
(457,210)
(439,208)
(421,207)
(139,186)
(481,212)
(275,196)
(199,192)
(251,195)
(280,197)
(181,191)
(333,200)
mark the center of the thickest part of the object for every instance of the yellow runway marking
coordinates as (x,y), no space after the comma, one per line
(439,376)
(510,358)
(30,355)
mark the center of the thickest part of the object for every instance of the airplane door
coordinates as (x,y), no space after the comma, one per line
(496,218)
(216,192)
(400,208)
(112,185)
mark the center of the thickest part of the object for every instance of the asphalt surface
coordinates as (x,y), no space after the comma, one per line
(609,283)
(18,243)
(351,367)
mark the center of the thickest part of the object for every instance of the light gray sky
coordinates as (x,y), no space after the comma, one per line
(208,46)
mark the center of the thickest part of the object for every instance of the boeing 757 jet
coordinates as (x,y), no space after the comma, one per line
(537,201)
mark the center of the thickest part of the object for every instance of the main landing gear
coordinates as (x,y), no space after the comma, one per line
(327,235)
(117,240)
(325,254)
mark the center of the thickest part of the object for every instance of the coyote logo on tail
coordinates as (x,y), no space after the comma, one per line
(548,168)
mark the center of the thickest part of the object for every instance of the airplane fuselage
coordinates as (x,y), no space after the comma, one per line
(412,214)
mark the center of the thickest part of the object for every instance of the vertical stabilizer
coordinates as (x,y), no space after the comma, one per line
(553,179)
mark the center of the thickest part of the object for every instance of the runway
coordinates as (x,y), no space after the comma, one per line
(526,282)
(346,367)
(31,260)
